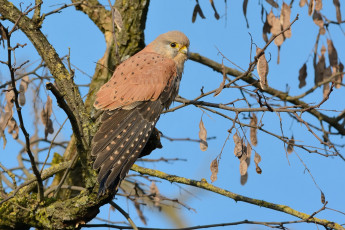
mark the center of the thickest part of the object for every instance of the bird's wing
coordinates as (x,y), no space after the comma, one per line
(120,140)
(134,98)
(142,77)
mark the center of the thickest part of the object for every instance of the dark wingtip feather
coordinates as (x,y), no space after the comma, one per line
(112,188)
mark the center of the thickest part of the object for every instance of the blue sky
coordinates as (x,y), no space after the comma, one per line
(280,182)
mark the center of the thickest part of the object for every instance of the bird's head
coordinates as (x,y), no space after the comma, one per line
(173,44)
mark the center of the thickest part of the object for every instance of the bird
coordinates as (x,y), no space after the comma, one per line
(140,89)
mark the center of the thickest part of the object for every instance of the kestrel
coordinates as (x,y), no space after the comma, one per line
(133,99)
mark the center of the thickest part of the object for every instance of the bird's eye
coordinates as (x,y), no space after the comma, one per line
(173,44)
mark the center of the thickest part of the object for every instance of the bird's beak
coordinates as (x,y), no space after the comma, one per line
(183,50)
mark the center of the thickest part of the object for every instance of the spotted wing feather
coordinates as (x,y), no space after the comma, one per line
(120,140)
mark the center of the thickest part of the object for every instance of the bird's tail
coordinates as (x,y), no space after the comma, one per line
(120,139)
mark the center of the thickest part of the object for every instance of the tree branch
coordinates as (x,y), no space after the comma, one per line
(261,203)
(63,78)
(20,116)
(279,94)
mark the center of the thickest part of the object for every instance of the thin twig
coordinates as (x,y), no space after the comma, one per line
(10,174)
(51,144)
(45,175)
(61,102)
(73,161)
(312,132)
(21,121)
(279,225)
(58,10)
(185,139)
(112,203)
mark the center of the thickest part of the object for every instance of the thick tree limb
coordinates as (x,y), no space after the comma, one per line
(261,203)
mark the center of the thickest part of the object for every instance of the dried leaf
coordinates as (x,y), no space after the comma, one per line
(22,89)
(49,128)
(154,191)
(197,10)
(272,3)
(9,96)
(249,153)
(236,138)
(334,71)
(332,53)
(244,151)
(302,75)
(4,140)
(140,213)
(275,30)
(216,15)
(238,150)
(326,74)
(253,131)
(323,199)
(48,106)
(257,158)
(323,50)
(244,6)
(202,136)
(265,30)
(118,19)
(270,18)
(318,5)
(5,118)
(45,117)
(317,18)
(325,90)
(291,145)
(214,170)
(3,32)
(278,56)
(303,3)
(153,188)
(244,179)
(337,9)
(13,128)
(262,68)
(311,7)
(285,19)
(320,68)
(322,30)
(243,157)
(8,112)
(21,98)
(258,169)
(243,167)
(339,78)
(221,86)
